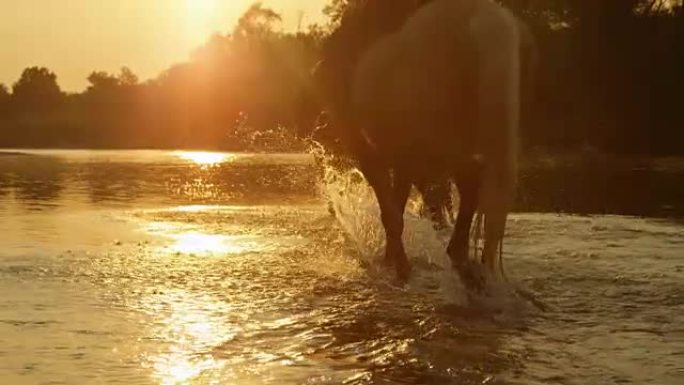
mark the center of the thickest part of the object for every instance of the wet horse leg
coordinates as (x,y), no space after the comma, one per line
(446,204)
(401,187)
(468,189)
(391,196)
(498,126)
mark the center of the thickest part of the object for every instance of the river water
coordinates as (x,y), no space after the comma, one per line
(162,267)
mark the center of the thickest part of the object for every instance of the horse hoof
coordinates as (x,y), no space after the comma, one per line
(471,276)
(457,254)
(403,271)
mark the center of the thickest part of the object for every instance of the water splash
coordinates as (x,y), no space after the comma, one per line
(352,201)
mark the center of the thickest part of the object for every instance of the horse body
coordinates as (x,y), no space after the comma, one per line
(428,80)
(439,99)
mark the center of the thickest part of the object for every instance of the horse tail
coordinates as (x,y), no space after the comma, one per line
(496,34)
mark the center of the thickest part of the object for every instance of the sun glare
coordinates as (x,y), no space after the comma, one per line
(199,243)
(204,158)
(199,16)
(198,8)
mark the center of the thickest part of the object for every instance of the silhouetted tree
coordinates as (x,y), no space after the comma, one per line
(4,93)
(37,88)
(5,98)
(101,81)
(128,78)
(257,22)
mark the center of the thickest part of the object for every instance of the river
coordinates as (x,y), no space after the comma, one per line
(174,267)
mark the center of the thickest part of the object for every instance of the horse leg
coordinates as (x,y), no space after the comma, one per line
(494,229)
(401,188)
(468,188)
(447,205)
(392,200)
(498,98)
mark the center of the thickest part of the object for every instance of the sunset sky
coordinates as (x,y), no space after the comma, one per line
(75,37)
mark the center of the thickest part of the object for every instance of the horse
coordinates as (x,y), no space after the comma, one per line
(436,97)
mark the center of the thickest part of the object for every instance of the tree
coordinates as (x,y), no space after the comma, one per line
(37,87)
(101,81)
(4,94)
(335,10)
(5,98)
(258,21)
(127,78)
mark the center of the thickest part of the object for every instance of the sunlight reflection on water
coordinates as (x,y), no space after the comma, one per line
(204,158)
(177,236)
(197,243)
(189,326)
(191,239)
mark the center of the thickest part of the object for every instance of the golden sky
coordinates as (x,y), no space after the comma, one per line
(75,37)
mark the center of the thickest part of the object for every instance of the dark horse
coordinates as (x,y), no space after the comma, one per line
(431,95)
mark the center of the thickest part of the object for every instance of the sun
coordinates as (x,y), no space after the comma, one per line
(200,9)
(199,18)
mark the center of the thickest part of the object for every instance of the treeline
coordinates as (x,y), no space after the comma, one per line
(610,77)
(238,88)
